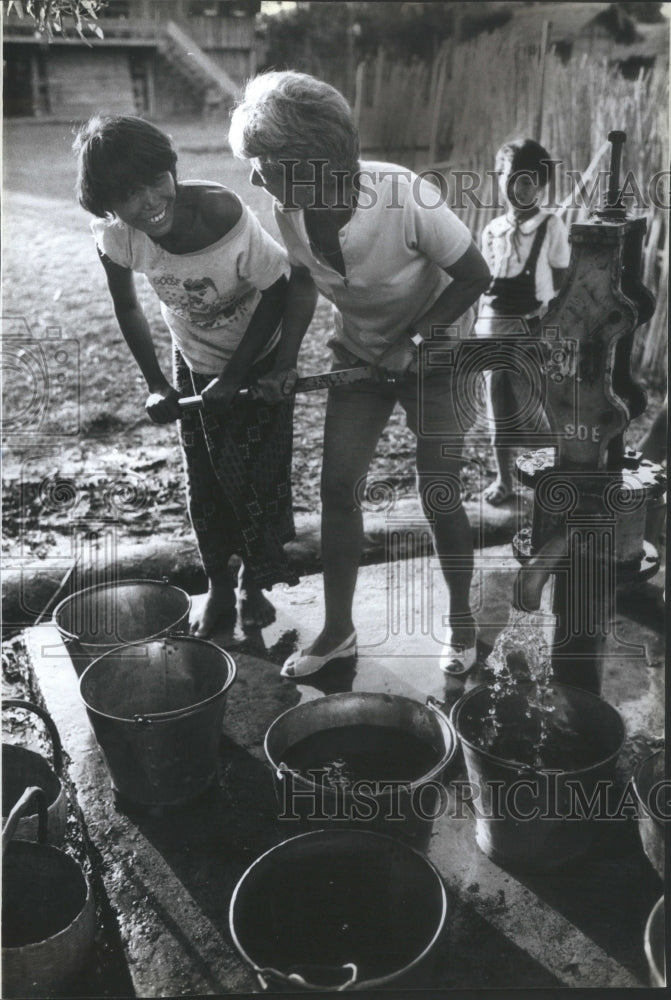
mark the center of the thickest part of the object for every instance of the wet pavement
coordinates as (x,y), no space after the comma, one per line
(169,874)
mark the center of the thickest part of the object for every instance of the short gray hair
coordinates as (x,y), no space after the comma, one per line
(294,116)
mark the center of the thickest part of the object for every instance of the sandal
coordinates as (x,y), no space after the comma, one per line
(301,664)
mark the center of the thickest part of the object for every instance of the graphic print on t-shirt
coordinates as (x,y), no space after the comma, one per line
(206,306)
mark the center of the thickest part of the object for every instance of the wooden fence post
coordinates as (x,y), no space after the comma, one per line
(437,104)
(545,36)
(359,84)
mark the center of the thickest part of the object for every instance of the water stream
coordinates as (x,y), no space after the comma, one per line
(521,664)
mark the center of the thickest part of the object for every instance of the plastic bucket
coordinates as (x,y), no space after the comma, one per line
(531,819)
(48,912)
(407,808)
(23,768)
(97,619)
(156,709)
(654,942)
(338,910)
(651,827)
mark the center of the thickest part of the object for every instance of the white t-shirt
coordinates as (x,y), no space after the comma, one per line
(209,296)
(395,246)
(506,248)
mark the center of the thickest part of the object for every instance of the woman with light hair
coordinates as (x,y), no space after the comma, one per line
(399,268)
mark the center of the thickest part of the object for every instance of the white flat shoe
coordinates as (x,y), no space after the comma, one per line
(301,664)
(457,660)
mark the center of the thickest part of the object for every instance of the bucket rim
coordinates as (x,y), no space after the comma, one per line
(647,937)
(176,713)
(446,759)
(352,834)
(32,757)
(73,867)
(643,799)
(73,637)
(517,765)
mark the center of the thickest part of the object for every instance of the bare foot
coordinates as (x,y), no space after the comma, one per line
(255,609)
(218,611)
(498,492)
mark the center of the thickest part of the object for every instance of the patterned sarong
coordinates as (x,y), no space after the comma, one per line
(238,473)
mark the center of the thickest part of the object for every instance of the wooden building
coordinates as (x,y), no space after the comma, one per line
(158,58)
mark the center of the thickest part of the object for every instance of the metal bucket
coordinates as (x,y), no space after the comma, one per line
(654,942)
(100,618)
(48,912)
(156,709)
(23,768)
(651,826)
(338,910)
(405,809)
(531,819)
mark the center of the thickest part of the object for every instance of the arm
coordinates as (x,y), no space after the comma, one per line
(161,405)
(220,392)
(298,312)
(559,251)
(470,279)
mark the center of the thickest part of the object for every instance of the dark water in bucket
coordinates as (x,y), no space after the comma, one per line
(326,899)
(43,892)
(361,752)
(542,743)
(525,734)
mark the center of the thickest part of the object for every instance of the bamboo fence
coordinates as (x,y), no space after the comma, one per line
(454,112)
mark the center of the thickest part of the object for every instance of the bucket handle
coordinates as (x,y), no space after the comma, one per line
(50,725)
(297,979)
(174,715)
(21,808)
(142,719)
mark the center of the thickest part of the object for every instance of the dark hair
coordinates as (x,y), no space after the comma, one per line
(529,157)
(115,154)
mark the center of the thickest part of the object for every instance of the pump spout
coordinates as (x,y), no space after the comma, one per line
(533,576)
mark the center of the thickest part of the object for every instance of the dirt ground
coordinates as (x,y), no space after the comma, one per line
(97,454)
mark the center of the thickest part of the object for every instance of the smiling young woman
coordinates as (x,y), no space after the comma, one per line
(222,281)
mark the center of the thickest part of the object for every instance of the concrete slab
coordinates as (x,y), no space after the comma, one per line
(169,876)
(29,583)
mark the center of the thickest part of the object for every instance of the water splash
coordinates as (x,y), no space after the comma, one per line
(522,653)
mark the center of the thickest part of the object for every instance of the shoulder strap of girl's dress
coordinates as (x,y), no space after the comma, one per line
(537,244)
